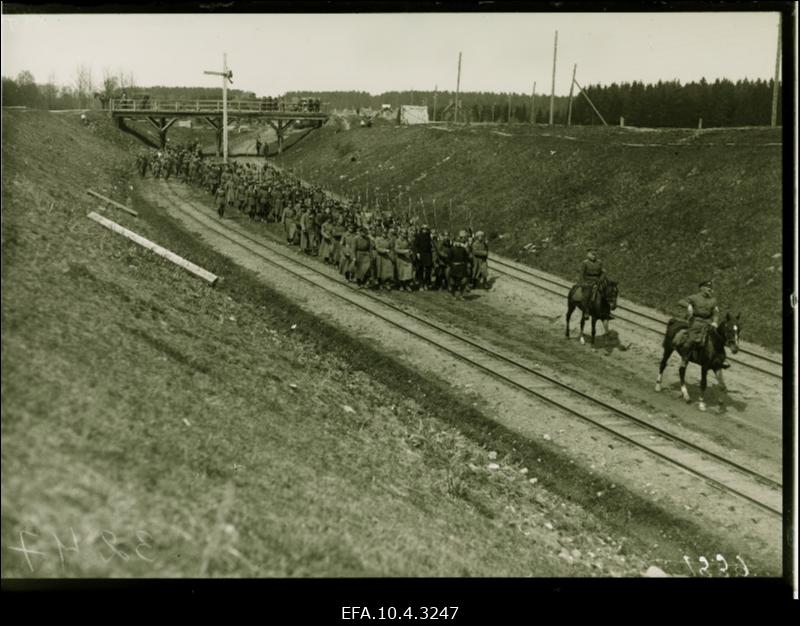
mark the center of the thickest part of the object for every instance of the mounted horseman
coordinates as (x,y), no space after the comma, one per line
(701,339)
(592,271)
(595,295)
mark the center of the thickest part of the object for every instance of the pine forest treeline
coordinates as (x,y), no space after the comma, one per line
(664,104)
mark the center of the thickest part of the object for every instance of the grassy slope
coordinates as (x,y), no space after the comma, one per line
(663,217)
(135,398)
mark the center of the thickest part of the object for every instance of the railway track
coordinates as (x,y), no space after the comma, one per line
(762,362)
(721,473)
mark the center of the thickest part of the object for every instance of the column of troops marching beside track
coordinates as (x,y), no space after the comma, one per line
(371,248)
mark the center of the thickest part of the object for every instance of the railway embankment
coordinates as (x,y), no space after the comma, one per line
(225,432)
(230,432)
(665,208)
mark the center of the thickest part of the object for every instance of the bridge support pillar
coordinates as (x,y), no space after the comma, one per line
(216,124)
(162,126)
(143,137)
(280,130)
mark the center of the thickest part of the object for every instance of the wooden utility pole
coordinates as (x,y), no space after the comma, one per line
(509,107)
(777,76)
(227,75)
(594,108)
(571,86)
(553,86)
(435,94)
(458,89)
(533,103)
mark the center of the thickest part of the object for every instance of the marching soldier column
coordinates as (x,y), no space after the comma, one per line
(371,249)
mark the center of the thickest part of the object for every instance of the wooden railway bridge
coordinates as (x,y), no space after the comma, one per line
(162,114)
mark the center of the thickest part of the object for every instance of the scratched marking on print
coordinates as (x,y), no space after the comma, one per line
(40,548)
(721,567)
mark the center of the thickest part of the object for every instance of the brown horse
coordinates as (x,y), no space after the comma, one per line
(602,301)
(709,355)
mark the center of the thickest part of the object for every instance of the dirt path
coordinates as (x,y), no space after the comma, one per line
(686,514)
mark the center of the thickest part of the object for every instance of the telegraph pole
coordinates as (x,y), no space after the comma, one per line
(571,87)
(777,76)
(553,87)
(458,88)
(533,103)
(435,94)
(227,75)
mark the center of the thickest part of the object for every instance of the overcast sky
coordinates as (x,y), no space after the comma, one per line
(272,54)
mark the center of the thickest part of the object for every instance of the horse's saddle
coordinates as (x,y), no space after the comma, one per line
(585,290)
(680,328)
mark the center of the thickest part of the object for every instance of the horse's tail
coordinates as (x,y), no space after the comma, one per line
(571,295)
(673,326)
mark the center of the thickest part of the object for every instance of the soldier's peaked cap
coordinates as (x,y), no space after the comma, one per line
(706,283)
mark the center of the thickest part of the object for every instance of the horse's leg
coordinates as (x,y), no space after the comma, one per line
(682,372)
(594,327)
(605,328)
(570,309)
(583,321)
(720,380)
(703,384)
(662,366)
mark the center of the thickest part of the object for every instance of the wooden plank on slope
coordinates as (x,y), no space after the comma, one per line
(112,202)
(146,243)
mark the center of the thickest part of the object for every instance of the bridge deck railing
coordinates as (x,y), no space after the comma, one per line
(143,105)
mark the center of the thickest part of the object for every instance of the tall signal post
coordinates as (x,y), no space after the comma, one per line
(227,75)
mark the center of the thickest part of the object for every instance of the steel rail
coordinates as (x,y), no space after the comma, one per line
(532,278)
(645,427)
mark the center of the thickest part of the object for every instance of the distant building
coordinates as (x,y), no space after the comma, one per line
(409,114)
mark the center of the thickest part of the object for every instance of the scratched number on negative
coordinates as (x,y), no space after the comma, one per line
(719,566)
(110,547)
